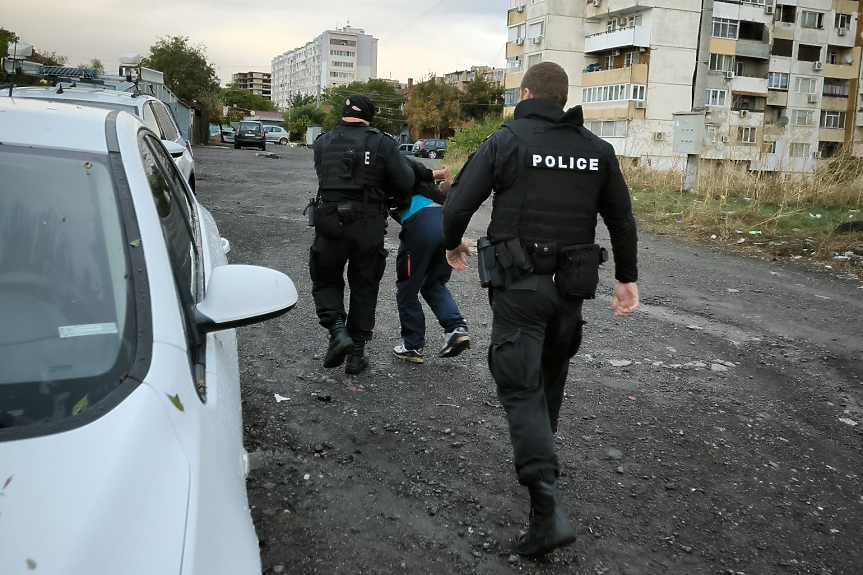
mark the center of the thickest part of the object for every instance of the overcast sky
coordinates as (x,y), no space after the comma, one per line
(415,38)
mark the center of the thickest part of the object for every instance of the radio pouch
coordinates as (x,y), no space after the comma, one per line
(326,220)
(544,256)
(578,270)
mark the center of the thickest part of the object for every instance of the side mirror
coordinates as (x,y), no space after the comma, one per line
(175,149)
(239,295)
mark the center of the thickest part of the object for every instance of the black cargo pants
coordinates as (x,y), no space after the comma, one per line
(361,248)
(534,334)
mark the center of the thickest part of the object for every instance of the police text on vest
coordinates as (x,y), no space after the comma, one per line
(565,163)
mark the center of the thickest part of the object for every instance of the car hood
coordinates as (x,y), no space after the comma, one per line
(108,497)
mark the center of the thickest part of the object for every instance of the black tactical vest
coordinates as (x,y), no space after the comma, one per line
(349,161)
(555,194)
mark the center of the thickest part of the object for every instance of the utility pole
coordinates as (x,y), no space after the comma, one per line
(12,75)
(699,88)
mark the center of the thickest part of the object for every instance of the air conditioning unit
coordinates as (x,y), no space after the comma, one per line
(616,53)
(842,31)
(768,10)
(642,49)
(596,3)
(640,105)
(744,113)
(658,136)
(813,98)
(537,40)
(729,74)
(724,139)
(519,41)
(817,65)
(519,8)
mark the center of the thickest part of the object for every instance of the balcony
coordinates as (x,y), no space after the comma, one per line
(752,49)
(844,71)
(749,85)
(636,74)
(622,38)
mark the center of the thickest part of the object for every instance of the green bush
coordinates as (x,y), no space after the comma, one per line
(466,141)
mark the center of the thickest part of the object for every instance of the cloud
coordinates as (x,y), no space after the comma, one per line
(414,38)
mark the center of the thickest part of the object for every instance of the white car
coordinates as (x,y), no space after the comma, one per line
(153,111)
(120,418)
(277,135)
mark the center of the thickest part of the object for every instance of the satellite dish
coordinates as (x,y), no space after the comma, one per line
(782,121)
(849,59)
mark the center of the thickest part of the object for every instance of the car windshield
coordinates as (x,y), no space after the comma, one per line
(102,105)
(66,337)
(250,126)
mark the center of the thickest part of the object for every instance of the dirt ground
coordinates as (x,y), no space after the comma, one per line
(718,430)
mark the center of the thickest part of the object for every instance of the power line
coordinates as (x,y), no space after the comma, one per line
(423,15)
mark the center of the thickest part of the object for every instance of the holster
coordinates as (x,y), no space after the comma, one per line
(485,261)
(514,260)
(578,270)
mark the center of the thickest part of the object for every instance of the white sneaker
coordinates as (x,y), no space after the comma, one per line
(411,355)
(455,342)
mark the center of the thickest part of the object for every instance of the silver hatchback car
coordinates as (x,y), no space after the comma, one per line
(277,135)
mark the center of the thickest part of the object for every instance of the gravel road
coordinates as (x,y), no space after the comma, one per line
(718,430)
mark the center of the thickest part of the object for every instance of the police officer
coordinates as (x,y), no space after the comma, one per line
(354,164)
(551,177)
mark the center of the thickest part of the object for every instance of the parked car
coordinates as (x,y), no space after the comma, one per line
(153,111)
(250,134)
(430,148)
(121,447)
(406,149)
(214,130)
(227,134)
(277,135)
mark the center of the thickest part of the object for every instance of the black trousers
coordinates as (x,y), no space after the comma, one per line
(361,248)
(534,334)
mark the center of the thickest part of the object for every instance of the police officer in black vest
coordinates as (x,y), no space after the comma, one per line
(550,177)
(355,164)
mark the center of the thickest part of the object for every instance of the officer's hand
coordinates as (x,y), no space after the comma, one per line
(442,174)
(457,258)
(624,300)
(445,185)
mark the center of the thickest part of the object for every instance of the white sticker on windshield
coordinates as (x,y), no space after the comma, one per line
(87,329)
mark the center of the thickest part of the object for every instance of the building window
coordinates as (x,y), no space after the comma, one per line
(843,21)
(810,19)
(716,97)
(514,64)
(806,85)
(746,134)
(609,62)
(710,132)
(801,117)
(799,150)
(629,59)
(769,147)
(515,33)
(777,81)
(786,14)
(510,96)
(724,28)
(721,62)
(608,128)
(809,53)
(836,87)
(832,119)
(341,42)
(535,29)
(613,93)
(746,102)
(782,47)
(534,59)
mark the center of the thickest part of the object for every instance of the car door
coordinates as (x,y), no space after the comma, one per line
(218,501)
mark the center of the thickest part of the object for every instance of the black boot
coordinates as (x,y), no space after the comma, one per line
(340,345)
(357,360)
(549,526)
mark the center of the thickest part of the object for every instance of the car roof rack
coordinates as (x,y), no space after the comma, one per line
(126,81)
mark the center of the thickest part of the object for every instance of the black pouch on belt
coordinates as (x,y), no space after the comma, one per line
(578,270)
(347,213)
(327,221)
(514,260)
(544,256)
(309,212)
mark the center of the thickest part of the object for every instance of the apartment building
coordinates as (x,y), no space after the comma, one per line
(782,86)
(335,57)
(461,78)
(255,82)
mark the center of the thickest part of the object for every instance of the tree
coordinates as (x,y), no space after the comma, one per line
(301,100)
(433,105)
(236,97)
(298,118)
(94,64)
(389,116)
(188,73)
(481,99)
